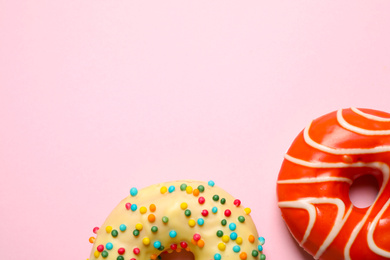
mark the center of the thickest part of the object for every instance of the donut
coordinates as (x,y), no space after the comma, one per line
(315,178)
(188,215)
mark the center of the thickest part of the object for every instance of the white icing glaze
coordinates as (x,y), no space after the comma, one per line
(369,116)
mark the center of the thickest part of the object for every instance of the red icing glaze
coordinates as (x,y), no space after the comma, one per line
(315,178)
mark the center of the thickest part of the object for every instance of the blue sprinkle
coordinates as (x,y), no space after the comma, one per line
(172,233)
(232,226)
(200,221)
(157,244)
(217,256)
(211,183)
(109,246)
(133,192)
(233,236)
(236,249)
(260,248)
(214,210)
(171,189)
(133,207)
(122,227)
(261,240)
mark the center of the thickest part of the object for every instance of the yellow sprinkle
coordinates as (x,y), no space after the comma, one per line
(138,226)
(225,238)
(221,246)
(191,223)
(146,241)
(163,189)
(96,254)
(189,189)
(143,210)
(108,229)
(183,205)
(239,240)
(247,211)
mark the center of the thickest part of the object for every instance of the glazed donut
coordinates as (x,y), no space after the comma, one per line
(182,215)
(316,175)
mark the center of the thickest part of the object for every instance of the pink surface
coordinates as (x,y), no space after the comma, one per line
(100,96)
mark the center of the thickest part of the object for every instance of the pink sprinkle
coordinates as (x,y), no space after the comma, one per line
(100,248)
(121,251)
(201,200)
(95,230)
(196,237)
(205,213)
(128,206)
(237,202)
(136,251)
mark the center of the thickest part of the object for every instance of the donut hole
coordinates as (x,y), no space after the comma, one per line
(364,191)
(182,255)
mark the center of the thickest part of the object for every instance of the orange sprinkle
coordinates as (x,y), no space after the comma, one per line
(178,250)
(243,256)
(251,238)
(200,243)
(193,241)
(152,207)
(196,192)
(188,249)
(151,218)
(91,240)
(153,256)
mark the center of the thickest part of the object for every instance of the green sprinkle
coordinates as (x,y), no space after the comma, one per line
(201,188)
(136,232)
(223,201)
(215,198)
(223,222)
(241,219)
(187,212)
(120,258)
(262,257)
(104,254)
(255,253)
(165,219)
(154,229)
(219,233)
(114,233)
(161,248)
(183,187)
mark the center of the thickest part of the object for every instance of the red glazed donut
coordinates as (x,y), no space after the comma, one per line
(315,178)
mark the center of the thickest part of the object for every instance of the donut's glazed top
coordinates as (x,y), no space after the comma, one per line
(182,215)
(314,181)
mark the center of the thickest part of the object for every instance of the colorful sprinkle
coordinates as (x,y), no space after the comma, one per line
(133,192)
(96,254)
(251,238)
(262,257)
(152,207)
(261,240)
(239,240)
(183,205)
(201,200)
(133,207)
(236,249)
(154,229)
(227,213)
(121,251)
(217,256)
(201,188)
(146,241)
(225,238)
(247,211)
(223,201)
(189,189)
(232,226)
(200,243)
(92,240)
(157,244)
(243,256)
(95,230)
(214,210)
(255,253)
(223,222)
(163,190)
(237,202)
(221,246)
(191,223)
(135,232)
(136,251)
(143,210)
(104,254)
(219,233)
(196,237)
(233,236)
(260,248)
(139,226)
(128,206)
(211,183)
(187,212)
(200,221)
(165,219)
(196,192)
(108,229)
(173,246)
(171,189)
(100,248)
(120,258)
(172,233)
(241,219)
(114,233)
(215,198)
(122,227)
(183,244)
(151,218)
(205,213)
(183,187)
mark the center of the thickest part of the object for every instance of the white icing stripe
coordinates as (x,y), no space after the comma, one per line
(369,116)
(327,149)
(302,204)
(356,129)
(315,180)
(384,169)
(307,204)
(370,234)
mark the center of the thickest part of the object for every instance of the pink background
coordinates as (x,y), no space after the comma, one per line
(99,96)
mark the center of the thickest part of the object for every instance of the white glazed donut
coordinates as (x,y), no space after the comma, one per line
(182,215)
(315,178)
